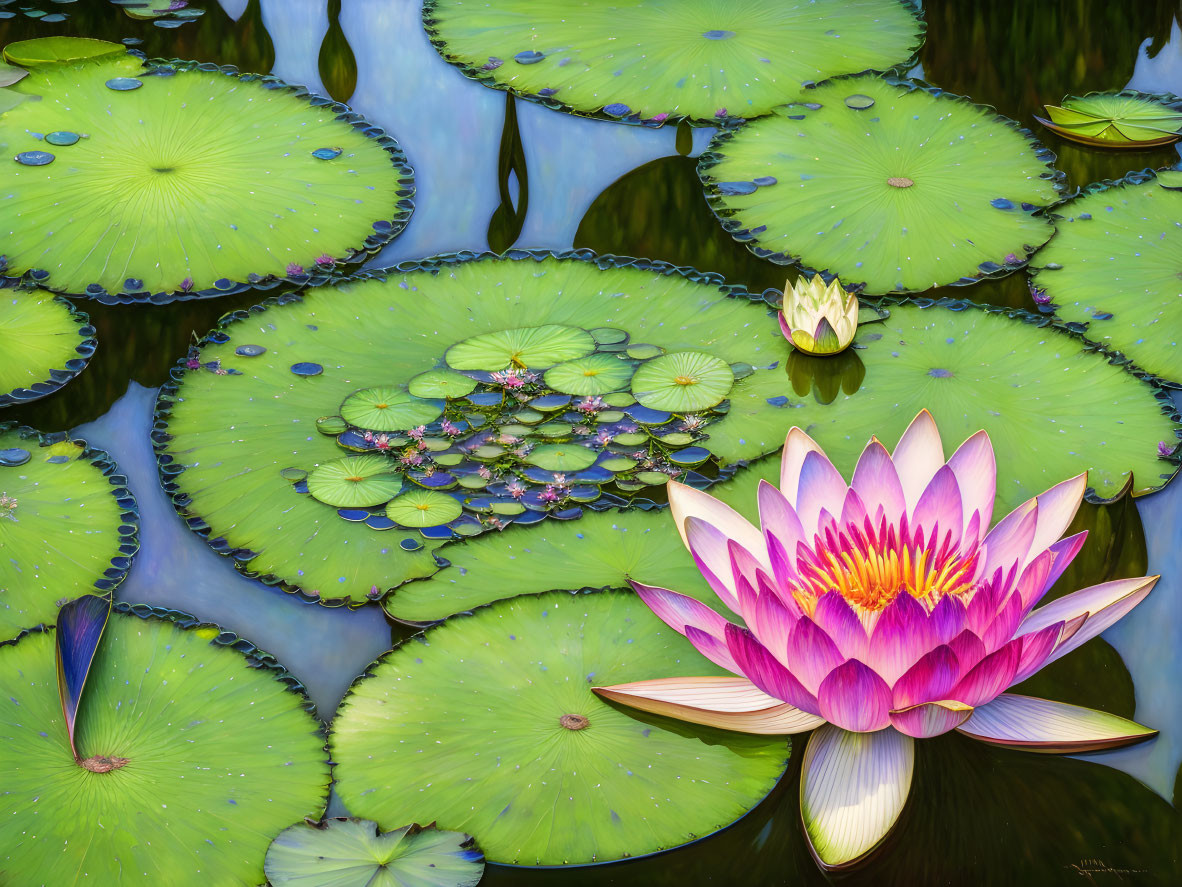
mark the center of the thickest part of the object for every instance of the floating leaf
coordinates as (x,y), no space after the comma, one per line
(1124,119)
(535,347)
(596,374)
(942,191)
(441,383)
(80,625)
(559,457)
(682,382)
(354,853)
(484,755)
(354,482)
(52,50)
(388,409)
(423,508)
(47,342)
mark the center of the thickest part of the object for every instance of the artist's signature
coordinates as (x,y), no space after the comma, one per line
(1090,868)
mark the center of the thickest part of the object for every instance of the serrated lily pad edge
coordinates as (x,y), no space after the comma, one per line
(168,393)
(374,242)
(422,637)
(713,155)
(74,366)
(129,528)
(473,72)
(1081,327)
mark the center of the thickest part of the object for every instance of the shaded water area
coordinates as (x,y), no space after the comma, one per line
(493,172)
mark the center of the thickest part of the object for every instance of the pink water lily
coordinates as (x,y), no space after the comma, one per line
(879,612)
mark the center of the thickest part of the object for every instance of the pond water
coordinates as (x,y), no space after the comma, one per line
(540,179)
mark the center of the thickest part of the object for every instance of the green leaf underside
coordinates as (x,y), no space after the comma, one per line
(480,749)
(64,534)
(353,853)
(832,208)
(1122,261)
(354,482)
(680,58)
(221,757)
(1036,391)
(200,176)
(38,334)
(682,382)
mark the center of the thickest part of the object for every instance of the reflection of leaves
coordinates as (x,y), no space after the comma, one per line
(825,377)
(507,220)
(338,65)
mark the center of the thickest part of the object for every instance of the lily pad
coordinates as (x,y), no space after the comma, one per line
(487,724)
(659,60)
(354,482)
(921,190)
(597,374)
(44,343)
(60,49)
(423,508)
(562,457)
(441,383)
(1114,267)
(1124,119)
(189,732)
(532,346)
(683,382)
(388,409)
(354,853)
(68,525)
(239,201)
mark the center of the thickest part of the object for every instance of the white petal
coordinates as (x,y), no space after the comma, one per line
(1031,724)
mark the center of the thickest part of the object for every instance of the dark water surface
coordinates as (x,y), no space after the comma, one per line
(491,172)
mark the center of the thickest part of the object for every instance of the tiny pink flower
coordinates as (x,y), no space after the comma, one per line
(417,433)
(325,261)
(294,270)
(484,472)
(1164,449)
(187,285)
(516,488)
(449,428)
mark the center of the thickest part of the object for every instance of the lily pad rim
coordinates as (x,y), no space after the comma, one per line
(710,158)
(485,78)
(60,376)
(422,637)
(373,243)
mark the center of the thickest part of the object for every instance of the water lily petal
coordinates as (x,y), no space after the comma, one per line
(837,619)
(1031,724)
(852,789)
(1009,543)
(939,506)
(975,468)
(772,623)
(1002,627)
(853,510)
(710,548)
(902,635)
(1035,580)
(930,679)
(930,719)
(812,654)
(877,483)
(1103,604)
(797,445)
(713,648)
(947,618)
(686,501)
(918,456)
(1065,551)
(766,672)
(989,677)
(1036,650)
(854,697)
(730,703)
(821,485)
(679,610)
(778,520)
(968,649)
(1056,508)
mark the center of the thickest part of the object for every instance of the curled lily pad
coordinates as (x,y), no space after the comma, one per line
(656,60)
(189,732)
(527,756)
(596,374)
(1114,267)
(924,189)
(46,342)
(355,853)
(534,346)
(1124,119)
(441,383)
(423,508)
(354,482)
(388,409)
(244,201)
(68,525)
(60,49)
(562,457)
(683,382)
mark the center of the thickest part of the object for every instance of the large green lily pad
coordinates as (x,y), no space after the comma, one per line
(68,525)
(891,185)
(222,752)
(1114,268)
(487,724)
(44,343)
(655,60)
(178,179)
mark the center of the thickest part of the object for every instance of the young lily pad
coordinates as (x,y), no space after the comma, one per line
(68,525)
(243,187)
(1114,267)
(46,342)
(441,383)
(562,457)
(920,190)
(662,60)
(60,49)
(596,374)
(683,382)
(354,853)
(202,741)
(533,346)
(388,409)
(354,482)
(423,508)
(487,725)
(1125,119)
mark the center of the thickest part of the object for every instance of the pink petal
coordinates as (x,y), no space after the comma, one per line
(854,697)
(1009,542)
(834,616)
(989,677)
(1103,604)
(765,671)
(781,532)
(918,456)
(730,703)
(877,482)
(710,548)
(929,680)
(1035,580)
(1056,509)
(947,618)
(821,487)
(745,573)
(1065,551)
(940,507)
(1024,722)
(686,502)
(975,468)
(901,636)
(812,655)
(930,718)
(714,649)
(968,649)
(797,445)
(1036,650)
(853,510)
(1004,625)
(679,611)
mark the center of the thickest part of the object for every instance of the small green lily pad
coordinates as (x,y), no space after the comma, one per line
(683,382)
(441,383)
(594,374)
(531,346)
(562,457)
(423,508)
(354,482)
(388,409)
